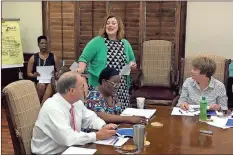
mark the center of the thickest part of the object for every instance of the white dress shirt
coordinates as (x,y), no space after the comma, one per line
(53,132)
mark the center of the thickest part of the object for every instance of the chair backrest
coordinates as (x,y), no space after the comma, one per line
(22,108)
(157,63)
(221,73)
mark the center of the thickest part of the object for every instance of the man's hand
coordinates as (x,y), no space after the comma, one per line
(184,106)
(214,107)
(105,132)
(110,126)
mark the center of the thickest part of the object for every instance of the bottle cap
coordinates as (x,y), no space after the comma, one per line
(203,98)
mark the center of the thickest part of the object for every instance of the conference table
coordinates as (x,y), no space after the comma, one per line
(179,135)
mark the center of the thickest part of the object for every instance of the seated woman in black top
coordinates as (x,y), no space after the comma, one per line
(42,58)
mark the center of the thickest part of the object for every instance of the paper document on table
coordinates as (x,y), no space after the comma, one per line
(79,150)
(219,122)
(179,111)
(45,72)
(114,140)
(125,70)
(196,106)
(74,66)
(148,113)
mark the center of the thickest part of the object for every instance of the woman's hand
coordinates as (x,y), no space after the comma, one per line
(138,119)
(133,65)
(36,74)
(80,70)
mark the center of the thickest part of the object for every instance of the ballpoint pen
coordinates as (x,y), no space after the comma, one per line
(180,111)
(116,141)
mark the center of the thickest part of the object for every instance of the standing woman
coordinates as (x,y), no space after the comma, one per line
(42,58)
(109,49)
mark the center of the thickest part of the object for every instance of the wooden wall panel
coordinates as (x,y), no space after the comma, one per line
(71,25)
(129,12)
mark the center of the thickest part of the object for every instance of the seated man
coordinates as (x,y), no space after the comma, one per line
(202,84)
(104,102)
(62,117)
(42,58)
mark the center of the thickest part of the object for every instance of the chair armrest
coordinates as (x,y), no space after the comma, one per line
(135,82)
(175,101)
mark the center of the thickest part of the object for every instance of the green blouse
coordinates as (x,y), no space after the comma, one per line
(95,54)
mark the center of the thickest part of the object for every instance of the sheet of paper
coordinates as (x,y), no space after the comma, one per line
(180,112)
(79,150)
(219,122)
(45,81)
(196,106)
(74,66)
(148,113)
(111,140)
(45,72)
(125,70)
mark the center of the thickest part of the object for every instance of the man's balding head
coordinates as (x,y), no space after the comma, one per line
(66,81)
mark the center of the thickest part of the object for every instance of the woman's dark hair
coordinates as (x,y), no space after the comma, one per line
(107,73)
(40,38)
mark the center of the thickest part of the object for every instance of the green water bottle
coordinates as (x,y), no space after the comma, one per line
(203,109)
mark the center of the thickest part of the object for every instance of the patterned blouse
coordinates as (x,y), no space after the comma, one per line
(215,93)
(97,103)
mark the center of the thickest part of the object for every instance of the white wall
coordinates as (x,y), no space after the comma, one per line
(30,14)
(210,28)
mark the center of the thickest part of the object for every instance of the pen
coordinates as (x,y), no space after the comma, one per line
(180,111)
(117,126)
(116,141)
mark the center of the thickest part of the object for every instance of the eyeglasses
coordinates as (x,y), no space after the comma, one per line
(115,85)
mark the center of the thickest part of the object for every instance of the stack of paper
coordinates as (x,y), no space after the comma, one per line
(79,150)
(179,111)
(45,73)
(219,122)
(148,113)
(114,140)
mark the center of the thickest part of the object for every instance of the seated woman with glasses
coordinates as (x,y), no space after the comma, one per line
(104,101)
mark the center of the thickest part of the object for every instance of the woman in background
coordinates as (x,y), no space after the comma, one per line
(42,58)
(109,49)
(104,101)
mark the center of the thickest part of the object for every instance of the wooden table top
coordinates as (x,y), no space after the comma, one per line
(179,135)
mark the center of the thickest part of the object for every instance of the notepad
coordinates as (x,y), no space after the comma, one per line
(114,140)
(219,122)
(79,150)
(229,123)
(148,113)
(125,132)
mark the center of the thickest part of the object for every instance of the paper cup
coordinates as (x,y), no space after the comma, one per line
(140,102)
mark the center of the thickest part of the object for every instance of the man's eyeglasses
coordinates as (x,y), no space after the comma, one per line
(115,85)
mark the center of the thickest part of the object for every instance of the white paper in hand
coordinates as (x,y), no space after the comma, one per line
(125,70)
(45,72)
(74,66)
